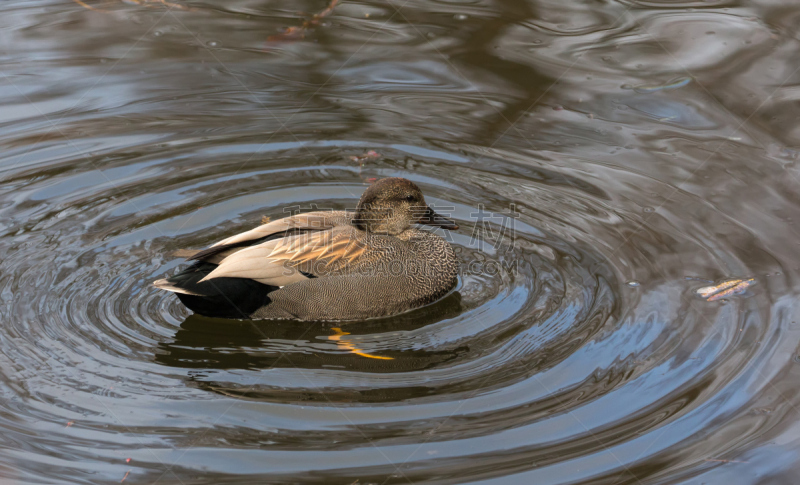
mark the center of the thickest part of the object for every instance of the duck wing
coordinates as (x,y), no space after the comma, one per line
(288,226)
(289,259)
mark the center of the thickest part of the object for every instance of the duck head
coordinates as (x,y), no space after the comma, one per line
(392,205)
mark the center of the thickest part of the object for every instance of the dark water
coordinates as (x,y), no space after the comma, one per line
(643,148)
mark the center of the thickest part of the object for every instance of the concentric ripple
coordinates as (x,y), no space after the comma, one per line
(543,355)
(594,196)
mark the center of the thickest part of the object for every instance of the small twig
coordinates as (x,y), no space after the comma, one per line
(293,33)
(369,156)
(88,7)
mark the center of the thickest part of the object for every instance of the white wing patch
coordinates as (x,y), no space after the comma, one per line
(277,262)
(310,220)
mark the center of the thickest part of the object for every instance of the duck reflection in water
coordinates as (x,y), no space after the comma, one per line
(216,345)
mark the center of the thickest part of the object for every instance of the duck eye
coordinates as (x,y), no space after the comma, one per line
(410,198)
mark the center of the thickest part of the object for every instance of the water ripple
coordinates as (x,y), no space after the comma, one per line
(574,349)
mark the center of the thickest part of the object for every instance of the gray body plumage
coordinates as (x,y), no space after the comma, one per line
(393,275)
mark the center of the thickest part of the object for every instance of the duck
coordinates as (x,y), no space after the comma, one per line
(326,265)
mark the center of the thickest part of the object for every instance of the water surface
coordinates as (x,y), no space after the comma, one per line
(638,150)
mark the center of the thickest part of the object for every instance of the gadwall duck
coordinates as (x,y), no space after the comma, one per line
(326,265)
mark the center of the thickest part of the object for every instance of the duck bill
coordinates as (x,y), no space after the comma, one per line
(431,218)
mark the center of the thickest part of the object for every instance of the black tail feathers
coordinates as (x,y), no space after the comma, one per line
(219,297)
